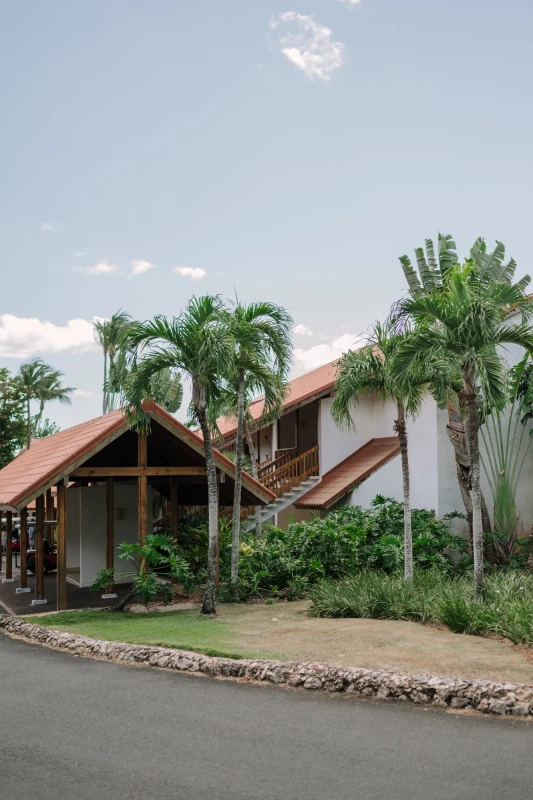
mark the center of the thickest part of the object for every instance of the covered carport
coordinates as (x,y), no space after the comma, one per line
(104,473)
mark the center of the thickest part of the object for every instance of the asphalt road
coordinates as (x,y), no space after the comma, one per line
(76,728)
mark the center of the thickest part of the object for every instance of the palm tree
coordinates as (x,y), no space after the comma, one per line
(165,387)
(40,382)
(109,333)
(199,343)
(432,266)
(235,402)
(373,369)
(50,389)
(459,330)
(263,354)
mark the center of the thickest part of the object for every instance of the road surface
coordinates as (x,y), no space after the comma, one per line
(77,728)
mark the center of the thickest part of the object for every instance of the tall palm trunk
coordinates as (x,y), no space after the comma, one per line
(28,421)
(236,525)
(401,429)
(255,474)
(475,487)
(104,402)
(209,604)
(458,436)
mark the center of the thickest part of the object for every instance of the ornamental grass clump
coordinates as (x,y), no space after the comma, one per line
(507,610)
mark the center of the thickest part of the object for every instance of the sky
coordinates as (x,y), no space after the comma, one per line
(288,151)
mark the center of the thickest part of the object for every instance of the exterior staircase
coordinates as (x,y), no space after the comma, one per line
(289,480)
(283,501)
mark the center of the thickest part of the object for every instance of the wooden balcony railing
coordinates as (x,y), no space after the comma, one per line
(270,466)
(292,473)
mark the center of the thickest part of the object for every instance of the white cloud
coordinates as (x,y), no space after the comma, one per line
(309,45)
(23,337)
(350,2)
(102,268)
(302,330)
(80,253)
(84,393)
(47,226)
(138,267)
(194,273)
(321,354)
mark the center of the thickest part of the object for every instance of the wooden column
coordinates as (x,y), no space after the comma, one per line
(61,585)
(110,528)
(50,516)
(24,548)
(39,548)
(142,482)
(9,546)
(174,508)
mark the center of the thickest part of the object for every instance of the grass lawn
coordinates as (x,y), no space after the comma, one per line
(286,631)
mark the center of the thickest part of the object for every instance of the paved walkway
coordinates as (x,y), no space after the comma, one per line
(72,727)
(76,597)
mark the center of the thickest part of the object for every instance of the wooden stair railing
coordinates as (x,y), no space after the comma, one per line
(292,473)
(268,467)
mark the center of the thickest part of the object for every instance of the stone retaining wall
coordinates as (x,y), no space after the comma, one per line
(486,696)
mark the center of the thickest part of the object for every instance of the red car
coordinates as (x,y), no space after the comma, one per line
(50,559)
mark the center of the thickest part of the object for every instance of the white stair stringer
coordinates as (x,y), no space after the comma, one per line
(280,503)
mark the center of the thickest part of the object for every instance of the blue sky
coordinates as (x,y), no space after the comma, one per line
(285,150)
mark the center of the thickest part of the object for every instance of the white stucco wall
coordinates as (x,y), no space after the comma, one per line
(86,530)
(73,527)
(335,444)
(375,419)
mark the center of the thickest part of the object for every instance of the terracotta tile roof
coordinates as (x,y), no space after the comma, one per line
(354,469)
(50,459)
(300,389)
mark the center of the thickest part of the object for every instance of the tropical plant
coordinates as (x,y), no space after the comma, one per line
(342,544)
(507,438)
(41,428)
(157,557)
(165,387)
(12,417)
(262,356)
(42,383)
(199,343)
(109,334)
(432,266)
(459,329)
(434,597)
(372,369)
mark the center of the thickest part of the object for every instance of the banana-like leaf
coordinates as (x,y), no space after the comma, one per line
(410,274)
(426,275)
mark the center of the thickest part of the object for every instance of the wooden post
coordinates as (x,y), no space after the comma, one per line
(24,548)
(50,516)
(142,505)
(39,547)
(110,528)
(61,589)
(9,546)
(174,508)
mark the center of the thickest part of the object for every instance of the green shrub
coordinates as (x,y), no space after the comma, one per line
(344,543)
(434,597)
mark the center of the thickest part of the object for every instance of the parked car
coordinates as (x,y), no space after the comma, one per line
(50,559)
